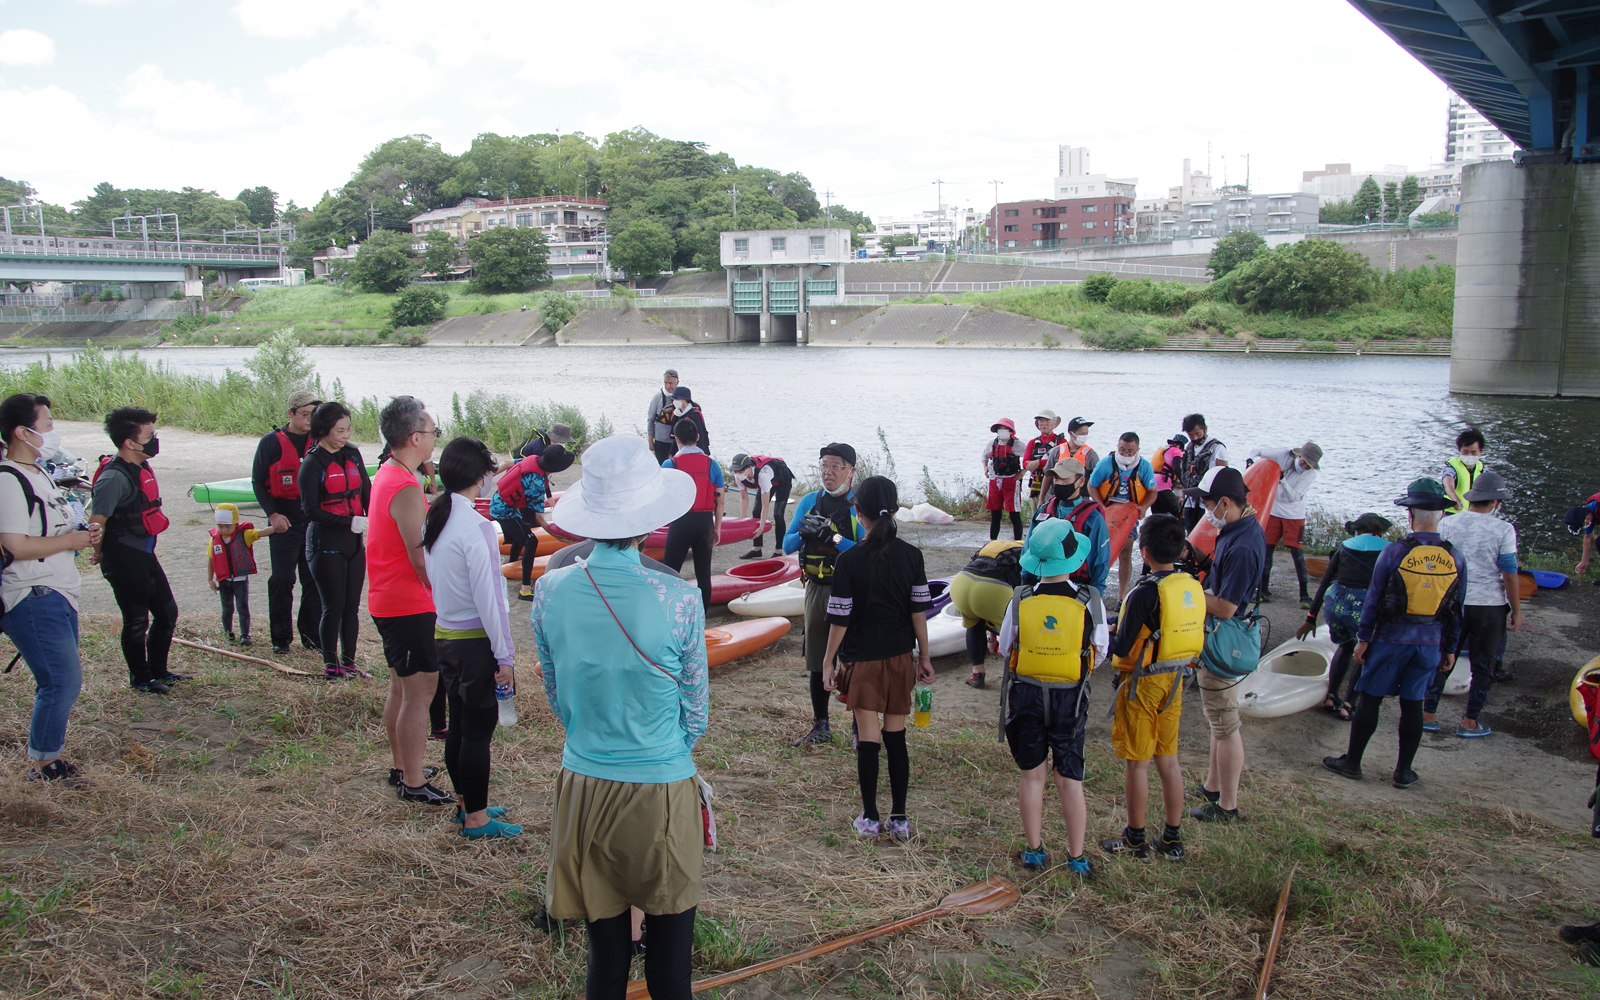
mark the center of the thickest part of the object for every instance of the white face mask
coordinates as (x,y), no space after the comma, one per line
(843,488)
(1080,439)
(1004,435)
(486,486)
(1126,462)
(1472,460)
(49,442)
(1215,521)
(680,406)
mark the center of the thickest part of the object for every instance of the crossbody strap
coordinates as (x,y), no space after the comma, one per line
(620,626)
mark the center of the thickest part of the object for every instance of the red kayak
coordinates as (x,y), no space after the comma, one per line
(734,529)
(1261,479)
(736,639)
(747,578)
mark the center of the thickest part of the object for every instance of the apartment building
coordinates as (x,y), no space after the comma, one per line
(574,228)
(1053,224)
(1228,211)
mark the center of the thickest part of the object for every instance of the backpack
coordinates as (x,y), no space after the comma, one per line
(1004,566)
(6,557)
(1423,586)
(537,442)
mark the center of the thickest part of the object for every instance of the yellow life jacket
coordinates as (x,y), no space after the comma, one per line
(1180,634)
(1136,489)
(1423,583)
(1053,638)
(1464,478)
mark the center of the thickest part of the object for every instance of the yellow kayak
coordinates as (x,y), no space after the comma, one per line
(1574,699)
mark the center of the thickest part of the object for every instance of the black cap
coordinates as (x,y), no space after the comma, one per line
(1077,422)
(1368,524)
(1224,481)
(838,450)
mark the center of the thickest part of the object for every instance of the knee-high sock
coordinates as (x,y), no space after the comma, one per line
(819,697)
(899,770)
(867,771)
(1410,733)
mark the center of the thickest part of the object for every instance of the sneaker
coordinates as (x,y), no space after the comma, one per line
(1122,845)
(1213,813)
(1079,865)
(525,594)
(1406,778)
(58,772)
(899,829)
(1172,849)
(231,637)
(1472,734)
(172,678)
(1263,597)
(1573,933)
(1430,727)
(332,672)
(427,794)
(439,734)
(820,733)
(244,640)
(492,829)
(1305,602)
(752,554)
(460,818)
(1588,951)
(1341,766)
(867,829)
(278,650)
(976,680)
(1502,675)
(1033,860)
(395,774)
(152,687)
(1200,791)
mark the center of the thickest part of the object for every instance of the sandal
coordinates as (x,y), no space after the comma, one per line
(493,828)
(1346,711)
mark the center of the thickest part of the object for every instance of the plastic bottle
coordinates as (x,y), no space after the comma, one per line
(922,706)
(508,706)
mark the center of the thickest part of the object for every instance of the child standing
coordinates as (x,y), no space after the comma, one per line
(1162,631)
(1048,640)
(1002,466)
(232,561)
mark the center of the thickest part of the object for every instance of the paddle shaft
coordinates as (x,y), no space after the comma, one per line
(240,656)
(1277,937)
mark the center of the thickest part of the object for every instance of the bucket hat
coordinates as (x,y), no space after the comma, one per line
(1489,485)
(1005,422)
(1424,494)
(560,434)
(1054,549)
(623,492)
(1310,451)
(1368,524)
(1049,415)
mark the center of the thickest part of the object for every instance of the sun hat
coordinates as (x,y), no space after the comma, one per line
(1077,422)
(1489,485)
(1049,415)
(1424,494)
(302,397)
(1054,549)
(1003,422)
(1576,518)
(560,434)
(1310,451)
(1178,440)
(1368,524)
(682,392)
(1067,467)
(623,492)
(1220,481)
(840,451)
(227,513)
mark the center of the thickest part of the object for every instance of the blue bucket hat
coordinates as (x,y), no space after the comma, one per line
(1054,549)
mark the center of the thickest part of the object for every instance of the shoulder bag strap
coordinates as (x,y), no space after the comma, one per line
(620,626)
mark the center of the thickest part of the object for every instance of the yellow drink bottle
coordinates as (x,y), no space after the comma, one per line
(922,706)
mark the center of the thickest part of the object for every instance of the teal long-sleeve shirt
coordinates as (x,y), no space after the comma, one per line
(791,538)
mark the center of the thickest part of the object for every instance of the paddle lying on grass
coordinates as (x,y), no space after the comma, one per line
(1277,938)
(980,897)
(240,656)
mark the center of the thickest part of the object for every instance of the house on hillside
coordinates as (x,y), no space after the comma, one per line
(575,228)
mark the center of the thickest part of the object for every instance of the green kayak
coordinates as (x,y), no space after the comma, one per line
(235,490)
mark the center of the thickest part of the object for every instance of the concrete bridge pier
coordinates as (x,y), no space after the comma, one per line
(1527,308)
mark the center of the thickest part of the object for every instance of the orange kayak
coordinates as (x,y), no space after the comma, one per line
(1120,520)
(548,543)
(1261,479)
(513,571)
(731,641)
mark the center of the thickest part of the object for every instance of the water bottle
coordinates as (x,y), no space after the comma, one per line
(922,706)
(508,706)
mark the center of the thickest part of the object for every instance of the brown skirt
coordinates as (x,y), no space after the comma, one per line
(617,844)
(883,685)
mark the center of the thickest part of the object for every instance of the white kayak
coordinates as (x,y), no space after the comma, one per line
(1460,678)
(1291,678)
(786,599)
(946,636)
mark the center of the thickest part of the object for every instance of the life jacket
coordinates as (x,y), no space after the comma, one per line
(1136,487)
(1065,450)
(1004,459)
(1078,519)
(144,510)
(283,476)
(222,563)
(1464,478)
(1053,649)
(1164,463)
(696,465)
(1423,584)
(509,485)
(816,557)
(1193,466)
(999,560)
(341,488)
(1038,448)
(1180,632)
(781,473)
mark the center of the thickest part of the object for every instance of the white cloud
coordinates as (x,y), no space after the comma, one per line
(291,18)
(182,106)
(379,77)
(26,47)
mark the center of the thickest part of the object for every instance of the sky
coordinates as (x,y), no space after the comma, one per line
(871,101)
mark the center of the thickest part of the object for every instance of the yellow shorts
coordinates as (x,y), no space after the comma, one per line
(1141,728)
(979,599)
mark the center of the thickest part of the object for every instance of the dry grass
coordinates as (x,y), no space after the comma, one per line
(239,841)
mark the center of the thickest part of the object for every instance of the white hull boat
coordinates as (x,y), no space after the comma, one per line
(786,599)
(1291,678)
(946,636)
(1460,678)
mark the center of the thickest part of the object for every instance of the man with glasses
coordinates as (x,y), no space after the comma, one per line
(275,478)
(824,525)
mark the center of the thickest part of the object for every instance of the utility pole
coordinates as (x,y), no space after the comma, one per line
(733,189)
(994,228)
(827,211)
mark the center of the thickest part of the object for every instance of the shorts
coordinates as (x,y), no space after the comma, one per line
(980,599)
(1341,609)
(1399,668)
(1003,493)
(883,685)
(408,643)
(1285,530)
(1032,741)
(1219,699)
(1140,727)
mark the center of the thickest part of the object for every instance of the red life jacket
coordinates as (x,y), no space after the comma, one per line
(283,476)
(509,485)
(144,510)
(1004,458)
(696,464)
(1039,447)
(1078,519)
(222,553)
(341,488)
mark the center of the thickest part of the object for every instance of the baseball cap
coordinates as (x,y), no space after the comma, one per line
(302,397)
(1221,481)
(838,450)
(1067,467)
(1077,422)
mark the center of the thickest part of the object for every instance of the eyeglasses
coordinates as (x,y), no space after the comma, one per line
(432,430)
(834,467)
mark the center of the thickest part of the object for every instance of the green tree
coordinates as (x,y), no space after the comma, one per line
(1410,195)
(643,249)
(15,192)
(1342,211)
(497,166)
(1391,201)
(386,262)
(508,259)
(418,306)
(1099,286)
(261,204)
(1308,277)
(442,252)
(1233,250)
(1367,205)
(890,244)
(556,309)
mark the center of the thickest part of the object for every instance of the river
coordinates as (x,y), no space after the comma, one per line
(1381,421)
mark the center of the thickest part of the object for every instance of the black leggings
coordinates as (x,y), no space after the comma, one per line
(780,506)
(149,612)
(819,696)
(235,594)
(692,532)
(666,959)
(339,578)
(1343,661)
(1296,556)
(977,646)
(1365,722)
(994,525)
(466,680)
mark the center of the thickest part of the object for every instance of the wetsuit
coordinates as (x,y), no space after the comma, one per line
(286,549)
(338,558)
(129,564)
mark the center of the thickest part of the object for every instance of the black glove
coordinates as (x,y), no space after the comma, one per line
(815,528)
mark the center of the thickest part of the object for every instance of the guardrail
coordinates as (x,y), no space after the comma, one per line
(99,249)
(1113,266)
(661,302)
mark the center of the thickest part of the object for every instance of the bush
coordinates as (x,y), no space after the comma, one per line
(1222,315)
(502,423)
(1233,250)
(556,309)
(1097,287)
(1127,338)
(1305,278)
(418,306)
(508,259)
(386,262)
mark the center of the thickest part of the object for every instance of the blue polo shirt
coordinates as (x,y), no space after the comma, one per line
(1236,563)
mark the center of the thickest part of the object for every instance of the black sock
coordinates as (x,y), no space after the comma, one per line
(819,696)
(867,771)
(1169,832)
(1016,526)
(1410,733)
(994,525)
(899,771)
(1363,723)
(1134,835)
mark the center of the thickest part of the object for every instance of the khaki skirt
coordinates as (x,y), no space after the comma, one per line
(617,844)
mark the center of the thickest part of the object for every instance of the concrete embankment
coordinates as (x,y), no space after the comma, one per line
(77,334)
(945,326)
(501,329)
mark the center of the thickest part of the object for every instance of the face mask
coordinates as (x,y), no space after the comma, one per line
(1004,435)
(1302,466)
(151,448)
(680,407)
(486,484)
(1080,439)
(1472,460)
(49,442)
(1127,463)
(843,487)
(1215,521)
(1066,491)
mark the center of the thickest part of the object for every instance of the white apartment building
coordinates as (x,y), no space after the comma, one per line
(574,228)
(944,226)
(1073,179)
(1470,137)
(1337,182)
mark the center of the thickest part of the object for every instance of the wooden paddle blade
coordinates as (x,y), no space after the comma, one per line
(983,897)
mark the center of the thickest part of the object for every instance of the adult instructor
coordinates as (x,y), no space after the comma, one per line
(660,417)
(275,477)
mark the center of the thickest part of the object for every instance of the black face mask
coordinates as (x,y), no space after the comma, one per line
(1066,492)
(152,447)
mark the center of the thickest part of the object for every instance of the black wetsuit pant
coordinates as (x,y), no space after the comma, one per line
(692,531)
(339,579)
(149,611)
(289,562)
(466,680)
(780,506)
(666,960)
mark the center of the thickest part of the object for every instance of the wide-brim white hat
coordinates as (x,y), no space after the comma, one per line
(623,492)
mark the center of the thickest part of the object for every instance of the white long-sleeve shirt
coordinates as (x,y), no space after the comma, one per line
(1290,504)
(464,568)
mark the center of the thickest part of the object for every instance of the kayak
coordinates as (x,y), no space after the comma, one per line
(946,635)
(1120,521)
(1261,480)
(1460,676)
(1527,585)
(1547,580)
(234,490)
(513,570)
(736,639)
(1316,565)
(1574,699)
(546,543)
(786,599)
(939,590)
(734,529)
(754,576)
(1291,678)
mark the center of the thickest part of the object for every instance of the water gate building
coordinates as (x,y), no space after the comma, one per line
(774,278)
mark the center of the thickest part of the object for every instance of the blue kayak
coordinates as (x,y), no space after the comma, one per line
(1547,580)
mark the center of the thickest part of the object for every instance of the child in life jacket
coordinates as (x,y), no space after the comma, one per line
(230,562)
(1048,641)
(1002,466)
(1160,633)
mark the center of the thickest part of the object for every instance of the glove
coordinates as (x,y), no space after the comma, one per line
(815,528)
(358,524)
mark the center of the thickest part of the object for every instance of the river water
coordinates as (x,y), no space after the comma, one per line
(1381,421)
